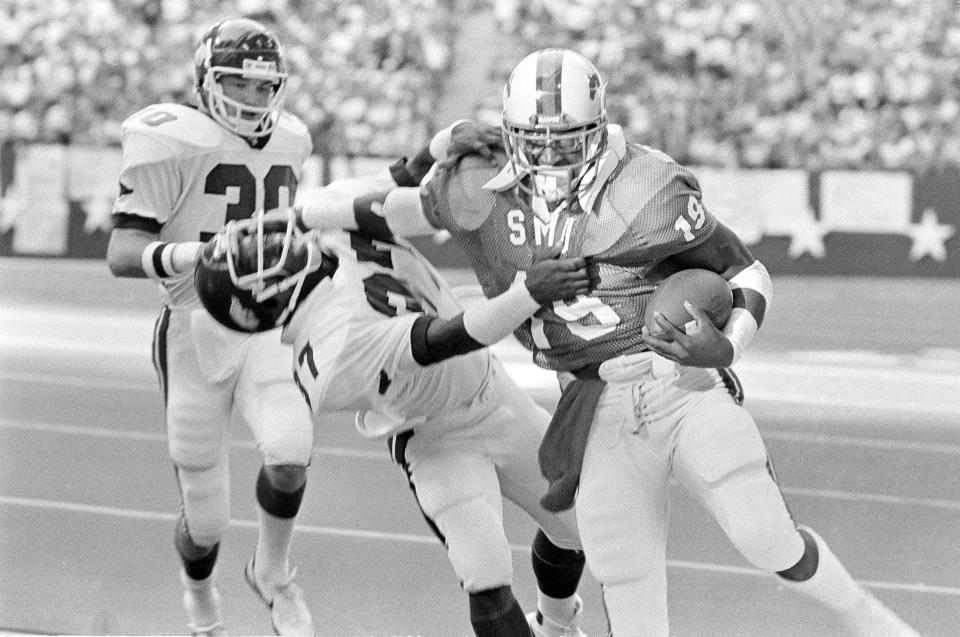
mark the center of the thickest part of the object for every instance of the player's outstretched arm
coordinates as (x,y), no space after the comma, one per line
(388,203)
(139,254)
(549,279)
(382,214)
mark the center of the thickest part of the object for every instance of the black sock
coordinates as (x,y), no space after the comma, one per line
(807,565)
(198,561)
(281,504)
(557,570)
(496,613)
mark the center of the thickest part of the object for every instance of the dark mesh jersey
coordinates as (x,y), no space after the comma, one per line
(648,209)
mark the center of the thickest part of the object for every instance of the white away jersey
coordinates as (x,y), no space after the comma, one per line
(185,176)
(351,337)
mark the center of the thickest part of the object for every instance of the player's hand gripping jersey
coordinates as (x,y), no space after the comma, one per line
(643,208)
(176,158)
(365,361)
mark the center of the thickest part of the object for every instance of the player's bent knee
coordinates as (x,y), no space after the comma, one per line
(291,447)
(626,561)
(477,546)
(281,500)
(206,503)
(285,477)
(758,523)
(282,424)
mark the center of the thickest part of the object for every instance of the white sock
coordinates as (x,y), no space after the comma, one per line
(201,599)
(272,560)
(559,611)
(831,584)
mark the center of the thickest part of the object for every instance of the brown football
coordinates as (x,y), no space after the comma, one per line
(704,289)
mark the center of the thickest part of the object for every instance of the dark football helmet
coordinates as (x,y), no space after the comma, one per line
(245,48)
(249,275)
(555,122)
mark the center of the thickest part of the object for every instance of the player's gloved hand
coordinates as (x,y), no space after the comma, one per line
(552,278)
(465,137)
(703,345)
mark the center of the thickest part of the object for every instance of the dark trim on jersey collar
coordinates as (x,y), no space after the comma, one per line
(328,267)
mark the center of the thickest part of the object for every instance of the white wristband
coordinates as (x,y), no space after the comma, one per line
(336,213)
(494,319)
(163,260)
(740,330)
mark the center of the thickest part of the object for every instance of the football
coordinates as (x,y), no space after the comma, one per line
(704,289)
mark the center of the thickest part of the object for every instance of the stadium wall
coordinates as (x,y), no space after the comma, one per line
(55,202)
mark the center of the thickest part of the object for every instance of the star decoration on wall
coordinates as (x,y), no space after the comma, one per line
(807,238)
(929,237)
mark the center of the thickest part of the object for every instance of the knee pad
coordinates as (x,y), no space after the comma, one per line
(198,561)
(277,502)
(477,546)
(557,570)
(205,497)
(496,613)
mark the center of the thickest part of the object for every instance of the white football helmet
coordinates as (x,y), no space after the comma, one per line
(244,48)
(555,122)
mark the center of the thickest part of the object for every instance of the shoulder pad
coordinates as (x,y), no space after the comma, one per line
(177,125)
(468,203)
(291,133)
(643,197)
(291,124)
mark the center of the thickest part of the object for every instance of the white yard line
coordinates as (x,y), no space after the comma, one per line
(108,433)
(410,538)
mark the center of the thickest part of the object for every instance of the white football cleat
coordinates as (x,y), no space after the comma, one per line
(870,618)
(543,626)
(288,612)
(201,600)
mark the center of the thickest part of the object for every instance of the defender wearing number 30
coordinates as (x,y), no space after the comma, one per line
(187,171)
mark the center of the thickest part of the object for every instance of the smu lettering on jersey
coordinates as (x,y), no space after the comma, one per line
(643,208)
(185,176)
(351,336)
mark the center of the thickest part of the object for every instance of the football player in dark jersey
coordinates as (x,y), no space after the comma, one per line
(636,408)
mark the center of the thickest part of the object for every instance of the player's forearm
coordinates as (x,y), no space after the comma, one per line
(137,254)
(380,214)
(752,293)
(434,339)
(411,172)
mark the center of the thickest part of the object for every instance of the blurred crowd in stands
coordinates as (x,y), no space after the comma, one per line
(749,83)
(365,74)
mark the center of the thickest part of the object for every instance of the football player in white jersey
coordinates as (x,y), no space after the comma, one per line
(636,408)
(186,171)
(375,328)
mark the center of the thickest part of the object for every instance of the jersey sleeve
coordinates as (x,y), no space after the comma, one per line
(149,181)
(662,208)
(455,198)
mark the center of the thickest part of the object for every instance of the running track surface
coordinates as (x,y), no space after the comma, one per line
(855,383)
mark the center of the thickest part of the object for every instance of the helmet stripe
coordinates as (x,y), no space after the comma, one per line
(549,76)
